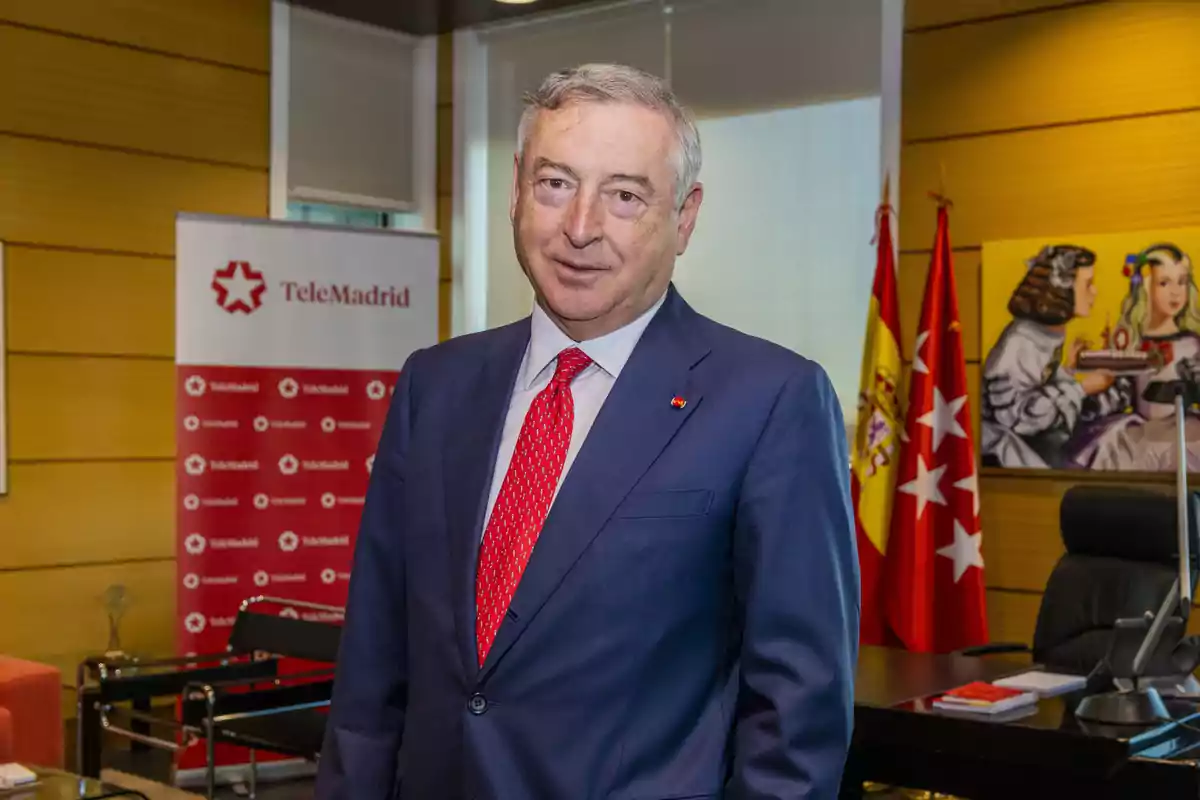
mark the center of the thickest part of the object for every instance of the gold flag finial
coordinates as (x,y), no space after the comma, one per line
(942,198)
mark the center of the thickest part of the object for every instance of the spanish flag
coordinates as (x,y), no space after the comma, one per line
(877,432)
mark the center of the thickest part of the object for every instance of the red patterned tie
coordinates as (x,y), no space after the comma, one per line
(524,498)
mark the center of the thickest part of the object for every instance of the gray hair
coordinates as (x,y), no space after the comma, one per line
(616,83)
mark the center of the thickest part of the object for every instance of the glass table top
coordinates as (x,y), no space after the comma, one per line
(53,784)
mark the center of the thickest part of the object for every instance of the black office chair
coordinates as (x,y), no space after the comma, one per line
(1121,561)
(239,696)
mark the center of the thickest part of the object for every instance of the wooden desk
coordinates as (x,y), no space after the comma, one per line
(901,740)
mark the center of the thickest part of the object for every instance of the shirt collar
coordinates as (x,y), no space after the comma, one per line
(608,352)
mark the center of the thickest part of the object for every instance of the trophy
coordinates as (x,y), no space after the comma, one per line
(116,603)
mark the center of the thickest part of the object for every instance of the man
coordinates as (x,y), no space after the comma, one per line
(608,550)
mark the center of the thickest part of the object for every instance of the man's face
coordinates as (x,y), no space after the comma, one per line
(594,218)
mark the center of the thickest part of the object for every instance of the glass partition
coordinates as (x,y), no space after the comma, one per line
(787,96)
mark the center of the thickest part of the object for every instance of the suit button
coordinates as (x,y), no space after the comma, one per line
(478,704)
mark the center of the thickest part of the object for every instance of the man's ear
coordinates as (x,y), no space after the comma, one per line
(516,188)
(687,217)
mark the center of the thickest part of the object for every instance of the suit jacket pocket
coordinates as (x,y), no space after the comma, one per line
(687,503)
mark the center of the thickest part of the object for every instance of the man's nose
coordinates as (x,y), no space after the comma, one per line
(584,221)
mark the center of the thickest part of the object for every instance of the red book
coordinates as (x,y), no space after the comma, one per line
(979,691)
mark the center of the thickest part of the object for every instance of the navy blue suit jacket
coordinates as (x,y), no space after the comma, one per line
(686,627)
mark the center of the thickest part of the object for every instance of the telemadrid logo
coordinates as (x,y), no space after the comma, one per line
(376,390)
(370,463)
(191,423)
(288,388)
(261,578)
(194,622)
(288,464)
(195,386)
(328,500)
(191,502)
(195,464)
(191,580)
(328,424)
(289,613)
(195,544)
(239,288)
(261,501)
(328,575)
(261,424)
(288,541)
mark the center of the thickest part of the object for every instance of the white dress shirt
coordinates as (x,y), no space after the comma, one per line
(589,389)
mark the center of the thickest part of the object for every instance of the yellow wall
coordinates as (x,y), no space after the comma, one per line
(1049,118)
(114,114)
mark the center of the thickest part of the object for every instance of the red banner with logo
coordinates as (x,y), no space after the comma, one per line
(288,342)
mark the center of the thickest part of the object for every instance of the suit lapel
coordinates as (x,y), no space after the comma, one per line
(472,438)
(636,423)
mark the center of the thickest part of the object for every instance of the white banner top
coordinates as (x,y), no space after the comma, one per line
(263,293)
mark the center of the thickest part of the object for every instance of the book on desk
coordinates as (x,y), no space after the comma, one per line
(1007,694)
(980,697)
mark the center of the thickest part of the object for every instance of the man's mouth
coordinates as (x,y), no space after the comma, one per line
(580,266)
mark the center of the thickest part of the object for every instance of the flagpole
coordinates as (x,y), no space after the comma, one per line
(940,196)
(878,426)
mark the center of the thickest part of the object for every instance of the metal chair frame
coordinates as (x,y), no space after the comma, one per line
(188,681)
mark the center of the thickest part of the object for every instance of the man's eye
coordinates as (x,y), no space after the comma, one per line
(555,183)
(626,197)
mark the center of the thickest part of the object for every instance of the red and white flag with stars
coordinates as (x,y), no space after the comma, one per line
(934,567)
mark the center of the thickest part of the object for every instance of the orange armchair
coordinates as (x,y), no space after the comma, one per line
(30,713)
(6,736)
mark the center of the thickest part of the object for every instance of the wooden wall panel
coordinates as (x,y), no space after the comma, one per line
(1022,540)
(71,513)
(445,220)
(70,622)
(445,307)
(1098,68)
(911,274)
(90,408)
(131,99)
(922,13)
(445,183)
(445,69)
(445,150)
(1021,536)
(1111,176)
(1012,616)
(81,197)
(70,302)
(234,32)
(121,114)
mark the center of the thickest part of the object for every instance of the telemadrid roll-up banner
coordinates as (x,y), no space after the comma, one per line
(288,342)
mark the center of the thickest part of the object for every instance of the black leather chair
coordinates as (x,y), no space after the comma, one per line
(1120,562)
(240,696)
(285,714)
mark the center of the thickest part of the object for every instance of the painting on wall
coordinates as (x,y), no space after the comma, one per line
(1087,342)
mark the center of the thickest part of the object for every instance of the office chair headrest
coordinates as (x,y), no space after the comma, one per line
(1123,522)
